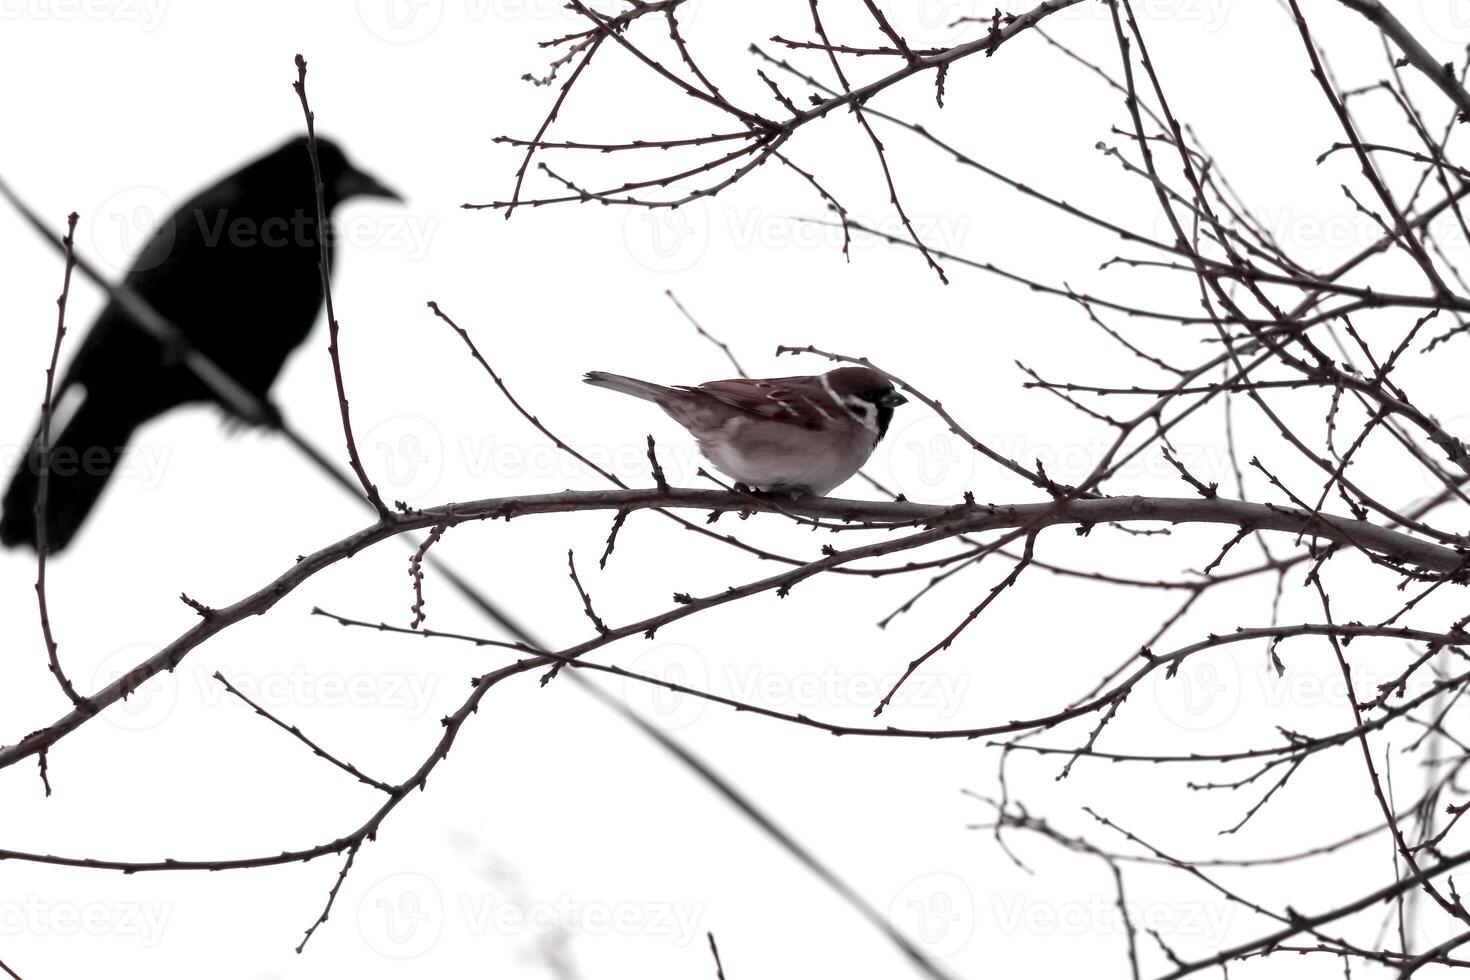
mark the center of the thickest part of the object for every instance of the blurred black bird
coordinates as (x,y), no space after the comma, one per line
(236,270)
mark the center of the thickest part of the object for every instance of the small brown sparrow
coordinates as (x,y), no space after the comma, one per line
(790,435)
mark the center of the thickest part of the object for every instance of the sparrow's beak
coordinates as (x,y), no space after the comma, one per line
(893,399)
(355,183)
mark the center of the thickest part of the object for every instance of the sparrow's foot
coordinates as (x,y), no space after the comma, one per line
(782,493)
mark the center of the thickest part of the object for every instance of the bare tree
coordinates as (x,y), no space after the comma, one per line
(1321,362)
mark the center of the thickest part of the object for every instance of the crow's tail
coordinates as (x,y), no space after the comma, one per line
(85,451)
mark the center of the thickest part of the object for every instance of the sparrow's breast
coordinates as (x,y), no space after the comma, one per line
(770,455)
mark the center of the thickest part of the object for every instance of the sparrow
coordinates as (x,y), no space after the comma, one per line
(798,436)
(235,268)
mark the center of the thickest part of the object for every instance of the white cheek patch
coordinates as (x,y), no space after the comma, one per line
(865,411)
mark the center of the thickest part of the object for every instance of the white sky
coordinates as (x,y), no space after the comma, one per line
(549,808)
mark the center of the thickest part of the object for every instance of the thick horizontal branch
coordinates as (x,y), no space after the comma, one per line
(942,521)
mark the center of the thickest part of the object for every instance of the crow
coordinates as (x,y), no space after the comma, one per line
(236,270)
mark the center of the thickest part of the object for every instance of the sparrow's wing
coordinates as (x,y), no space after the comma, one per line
(798,401)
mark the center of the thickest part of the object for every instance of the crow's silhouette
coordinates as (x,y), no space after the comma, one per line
(236,270)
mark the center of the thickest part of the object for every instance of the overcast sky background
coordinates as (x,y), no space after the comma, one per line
(551,809)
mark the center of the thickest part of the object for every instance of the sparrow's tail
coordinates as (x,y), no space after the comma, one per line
(629,386)
(85,449)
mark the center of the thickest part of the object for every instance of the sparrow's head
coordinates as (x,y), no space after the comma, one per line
(868,395)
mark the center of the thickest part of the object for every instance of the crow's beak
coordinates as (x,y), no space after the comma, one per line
(355,183)
(893,399)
